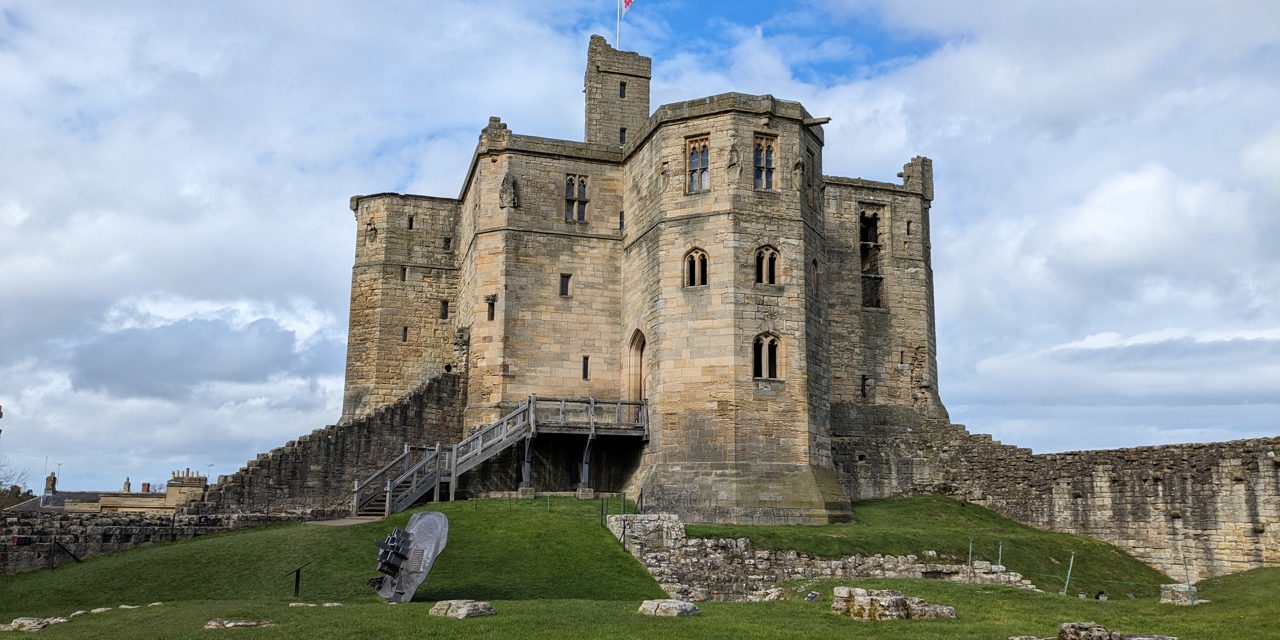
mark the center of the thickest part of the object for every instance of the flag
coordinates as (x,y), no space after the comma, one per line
(626,6)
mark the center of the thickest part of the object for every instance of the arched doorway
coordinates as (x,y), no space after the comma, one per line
(635,367)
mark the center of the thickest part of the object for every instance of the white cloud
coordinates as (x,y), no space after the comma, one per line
(1104,234)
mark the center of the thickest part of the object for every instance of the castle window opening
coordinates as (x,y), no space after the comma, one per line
(404,273)
(444,309)
(764,161)
(622,89)
(575,198)
(411,222)
(863,387)
(816,282)
(586,367)
(695,268)
(908,227)
(448,244)
(764,357)
(621,219)
(699,155)
(404,334)
(622,135)
(869,241)
(490,309)
(564,284)
(766,265)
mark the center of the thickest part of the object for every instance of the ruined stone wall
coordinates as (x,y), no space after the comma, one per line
(317,471)
(31,540)
(882,319)
(731,569)
(1202,509)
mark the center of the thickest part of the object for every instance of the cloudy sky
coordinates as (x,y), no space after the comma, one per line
(175,242)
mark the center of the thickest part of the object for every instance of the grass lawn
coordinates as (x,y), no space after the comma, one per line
(911,526)
(552,572)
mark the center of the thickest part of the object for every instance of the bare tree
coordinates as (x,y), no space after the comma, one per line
(12,485)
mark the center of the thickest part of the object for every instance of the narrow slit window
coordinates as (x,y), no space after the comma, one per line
(411,222)
(622,90)
(489,309)
(404,273)
(444,309)
(622,135)
(564,284)
(586,367)
(621,220)
(404,334)
(448,244)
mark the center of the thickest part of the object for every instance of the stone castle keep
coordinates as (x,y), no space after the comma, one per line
(683,307)
(695,259)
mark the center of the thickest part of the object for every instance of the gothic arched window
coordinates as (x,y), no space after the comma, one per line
(764,357)
(699,178)
(767,265)
(695,268)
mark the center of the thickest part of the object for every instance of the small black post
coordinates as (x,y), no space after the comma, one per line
(297,580)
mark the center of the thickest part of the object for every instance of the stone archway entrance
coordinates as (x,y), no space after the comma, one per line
(635,367)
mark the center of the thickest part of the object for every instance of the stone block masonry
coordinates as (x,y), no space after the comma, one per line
(730,569)
(32,540)
(317,471)
(1189,509)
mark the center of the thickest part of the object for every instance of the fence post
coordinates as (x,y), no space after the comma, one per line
(1070,565)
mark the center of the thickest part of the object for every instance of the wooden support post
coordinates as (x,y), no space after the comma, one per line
(527,480)
(586,463)
(453,473)
(436,497)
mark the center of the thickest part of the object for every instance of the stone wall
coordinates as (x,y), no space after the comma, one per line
(1204,509)
(730,569)
(31,540)
(317,471)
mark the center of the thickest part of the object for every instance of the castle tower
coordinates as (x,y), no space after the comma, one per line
(617,90)
(403,292)
(724,199)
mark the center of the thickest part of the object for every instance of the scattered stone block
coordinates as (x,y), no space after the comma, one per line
(461,609)
(1183,595)
(669,608)
(30,624)
(219,623)
(1090,631)
(100,610)
(885,604)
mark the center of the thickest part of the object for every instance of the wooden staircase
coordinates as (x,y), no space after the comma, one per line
(405,480)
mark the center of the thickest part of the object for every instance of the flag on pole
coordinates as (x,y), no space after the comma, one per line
(623,7)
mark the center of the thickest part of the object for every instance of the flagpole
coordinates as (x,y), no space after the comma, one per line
(617,36)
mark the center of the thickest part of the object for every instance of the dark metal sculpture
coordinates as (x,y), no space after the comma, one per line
(406,556)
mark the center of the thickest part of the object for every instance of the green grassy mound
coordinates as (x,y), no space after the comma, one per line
(552,572)
(907,526)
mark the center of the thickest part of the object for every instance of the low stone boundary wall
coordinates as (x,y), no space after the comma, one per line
(30,541)
(699,569)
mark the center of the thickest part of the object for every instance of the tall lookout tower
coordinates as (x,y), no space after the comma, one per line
(691,268)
